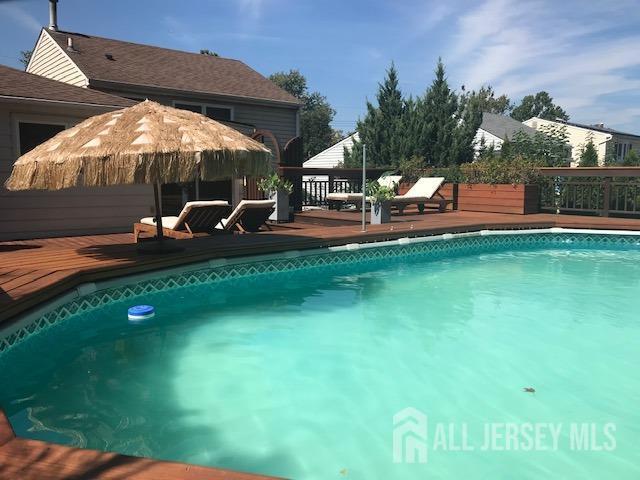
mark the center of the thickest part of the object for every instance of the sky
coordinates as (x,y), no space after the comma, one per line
(584,53)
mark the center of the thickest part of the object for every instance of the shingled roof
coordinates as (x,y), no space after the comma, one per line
(108,60)
(18,84)
(502,126)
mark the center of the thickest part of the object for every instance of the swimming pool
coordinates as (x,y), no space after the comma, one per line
(297,366)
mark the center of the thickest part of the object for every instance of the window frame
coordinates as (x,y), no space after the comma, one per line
(203,107)
(38,119)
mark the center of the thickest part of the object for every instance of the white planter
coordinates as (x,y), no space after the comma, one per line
(281,213)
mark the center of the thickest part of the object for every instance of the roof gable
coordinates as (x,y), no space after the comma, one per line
(18,84)
(584,126)
(116,61)
(503,127)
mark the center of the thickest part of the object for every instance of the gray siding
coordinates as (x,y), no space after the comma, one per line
(50,61)
(77,211)
(281,121)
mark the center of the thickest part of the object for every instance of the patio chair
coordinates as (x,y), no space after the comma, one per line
(337,199)
(423,193)
(195,217)
(248,216)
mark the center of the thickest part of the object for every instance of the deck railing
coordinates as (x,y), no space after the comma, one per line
(327,180)
(592,191)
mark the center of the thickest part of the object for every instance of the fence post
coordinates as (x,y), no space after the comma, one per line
(607,196)
(454,194)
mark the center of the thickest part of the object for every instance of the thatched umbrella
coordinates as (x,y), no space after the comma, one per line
(148,143)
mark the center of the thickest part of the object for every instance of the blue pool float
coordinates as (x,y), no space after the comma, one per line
(141,312)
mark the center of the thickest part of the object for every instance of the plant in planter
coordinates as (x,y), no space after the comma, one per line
(278,189)
(380,198)
(500,185)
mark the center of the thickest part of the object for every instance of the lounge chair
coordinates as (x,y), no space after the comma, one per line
(195,217)
(423,193)
(337,199)
(248,216)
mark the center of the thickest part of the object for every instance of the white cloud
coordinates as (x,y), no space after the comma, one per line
(11,10)
(577,51)
(252,9)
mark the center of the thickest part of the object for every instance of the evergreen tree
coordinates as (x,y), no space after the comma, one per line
(437,121)
(469,119)
(589,155)
(382,127)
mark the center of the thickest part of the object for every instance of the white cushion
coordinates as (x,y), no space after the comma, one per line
(167,222)
(242,206)
(424,189)
(390,181)
(172,222)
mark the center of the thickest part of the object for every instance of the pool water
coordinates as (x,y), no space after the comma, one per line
(300,375)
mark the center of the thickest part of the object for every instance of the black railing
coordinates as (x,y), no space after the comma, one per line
(314,192)
(591,191)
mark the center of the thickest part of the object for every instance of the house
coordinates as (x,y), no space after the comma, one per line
(333,156)
(32,110)
(495,129)
(224,89)
(92,68)
(606,140)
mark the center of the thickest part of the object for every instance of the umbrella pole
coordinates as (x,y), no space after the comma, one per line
(159,246)
(157,188)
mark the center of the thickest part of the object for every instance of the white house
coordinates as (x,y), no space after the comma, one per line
(606,140)
(332,156)
(495,129)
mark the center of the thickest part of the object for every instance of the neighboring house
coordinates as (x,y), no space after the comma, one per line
(606,140)
(495,129)
(332,156)
(32,110)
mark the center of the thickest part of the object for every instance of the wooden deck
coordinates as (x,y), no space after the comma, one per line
(34,271)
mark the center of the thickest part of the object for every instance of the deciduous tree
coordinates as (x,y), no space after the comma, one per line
(316,115)
(539,105)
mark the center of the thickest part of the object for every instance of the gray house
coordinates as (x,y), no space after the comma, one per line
(86,75)
(32,110)
(496,128)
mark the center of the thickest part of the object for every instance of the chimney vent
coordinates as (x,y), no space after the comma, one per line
(53,15)
(70,44)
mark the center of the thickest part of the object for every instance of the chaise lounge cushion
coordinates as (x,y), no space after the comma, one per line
(424,189)
(172,222)
(387,181)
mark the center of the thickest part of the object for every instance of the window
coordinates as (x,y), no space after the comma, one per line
(189,106)
(219,113)
(622,149)
(216,112)
(33,134)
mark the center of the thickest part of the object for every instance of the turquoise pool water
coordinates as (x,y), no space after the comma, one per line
(299,374)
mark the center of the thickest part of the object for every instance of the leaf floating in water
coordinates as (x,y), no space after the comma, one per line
(344,471)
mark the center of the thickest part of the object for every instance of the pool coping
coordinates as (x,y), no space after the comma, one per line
(83,289)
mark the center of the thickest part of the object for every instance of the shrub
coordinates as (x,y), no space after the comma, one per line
(518,170)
